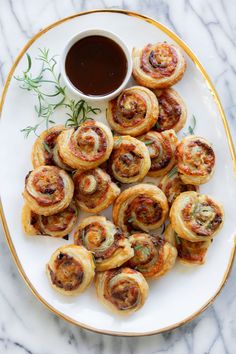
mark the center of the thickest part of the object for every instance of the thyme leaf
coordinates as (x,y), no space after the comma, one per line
(148,142)
(46,147)
(178,241)
(172,172)
(193,126)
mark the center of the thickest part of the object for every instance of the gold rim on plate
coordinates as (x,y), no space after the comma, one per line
(231,147)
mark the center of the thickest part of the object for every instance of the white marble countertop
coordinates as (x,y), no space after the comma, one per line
(26,326)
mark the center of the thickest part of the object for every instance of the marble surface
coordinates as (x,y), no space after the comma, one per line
(26,326)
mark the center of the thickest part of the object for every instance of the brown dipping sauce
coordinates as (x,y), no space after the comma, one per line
(96,65)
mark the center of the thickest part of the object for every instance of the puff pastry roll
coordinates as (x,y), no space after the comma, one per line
(130,160)
(172,185)
(195,160)
(188,252)
(172,110)
(109,245)
(94,190)
(161,147)
(122,290)
(133,112)
(196,217)
(57,225)
(152,257)
(70,269)
(141,207)
(45,149)
(87,146)
(158,65)
(48,190)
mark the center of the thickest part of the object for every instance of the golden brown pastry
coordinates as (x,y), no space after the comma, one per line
(172,185)
(195,160)
(130,160)
(57,225)
(94,190)
(109,245)
(133,112)
(87,146)
(188,252)
(45,149)
(70,269)
(158,65)
(196,217)
(141,207)
(48,190)
(172,110)
(153,257)
(122,290)
(161,147)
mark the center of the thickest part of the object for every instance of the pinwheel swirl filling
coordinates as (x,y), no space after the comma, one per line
(130,109)
(123,292)
(203,218)
(159,61)
(142,210)
(169,112)
(97,239)
(68,273)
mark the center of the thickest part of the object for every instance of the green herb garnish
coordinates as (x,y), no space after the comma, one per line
(46,147)
(172,172)
(79,113)
(158,126)
(130,220)
(51,94)
(144,249)
(118,140)
(193,126)
(177,239)
(138,247)
(148,142)
(83,237)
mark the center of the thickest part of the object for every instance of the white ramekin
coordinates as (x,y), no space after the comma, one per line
(95,32)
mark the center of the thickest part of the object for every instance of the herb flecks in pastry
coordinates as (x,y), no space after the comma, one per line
(87,146)
(153,257)
(161,147)
(196,217)
(188,252)
(94,190)
(141,207)
(109,245)
(172,185)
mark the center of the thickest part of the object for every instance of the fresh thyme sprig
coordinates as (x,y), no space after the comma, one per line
(193,126)
(48,80)
(79,113)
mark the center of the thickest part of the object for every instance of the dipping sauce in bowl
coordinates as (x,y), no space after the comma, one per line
(96,64)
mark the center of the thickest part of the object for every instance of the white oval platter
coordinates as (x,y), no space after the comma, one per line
(185,291)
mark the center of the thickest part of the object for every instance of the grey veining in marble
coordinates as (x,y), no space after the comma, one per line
(209,28)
